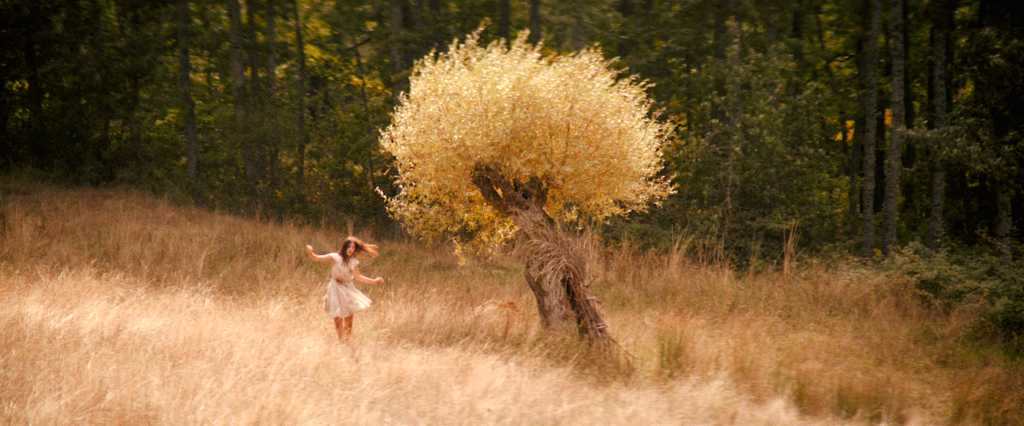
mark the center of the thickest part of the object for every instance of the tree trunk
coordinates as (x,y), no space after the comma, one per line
(628,31)
(367,122)
(273,139)
(255,153)
(134,122)
(731,112)
(854,169)
(40,151)
(237,61)
(736,36)
(535,31)
(991,17)
(556,269)
(250,40)
(270,36)
(893,160)
(856,161)
(798,33)
(438,37)
(854,138)
(940,39)
(185,85)
(580,30)
(504,18)
(870,106)
(102,102)
(721,30)
(396,27)
(236,57)
(300,48)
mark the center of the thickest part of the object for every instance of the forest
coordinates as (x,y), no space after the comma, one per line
(816,126)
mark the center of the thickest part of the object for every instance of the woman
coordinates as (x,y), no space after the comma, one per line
(343,299)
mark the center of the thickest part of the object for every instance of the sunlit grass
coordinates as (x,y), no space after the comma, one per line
(120,308)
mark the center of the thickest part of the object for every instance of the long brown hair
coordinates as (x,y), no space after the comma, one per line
(361,247)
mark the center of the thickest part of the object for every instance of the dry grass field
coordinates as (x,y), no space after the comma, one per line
(122,308)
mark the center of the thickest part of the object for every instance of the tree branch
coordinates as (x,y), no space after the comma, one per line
(490,181)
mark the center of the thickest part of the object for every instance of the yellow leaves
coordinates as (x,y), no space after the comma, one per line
(565,119)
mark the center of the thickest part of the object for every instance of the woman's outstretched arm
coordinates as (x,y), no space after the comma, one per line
(317,257)
(361,278)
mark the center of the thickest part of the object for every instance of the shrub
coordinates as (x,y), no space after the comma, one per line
(946,282)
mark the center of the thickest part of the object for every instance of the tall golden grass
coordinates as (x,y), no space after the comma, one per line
(122,308)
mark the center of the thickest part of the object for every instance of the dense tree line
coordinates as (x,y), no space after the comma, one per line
(857,125)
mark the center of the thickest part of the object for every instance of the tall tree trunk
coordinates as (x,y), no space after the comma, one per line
(855,142)
(134,123)
(250,41)
(269,89)
(239,93)
(370,146)
(396,28)
(798,33)
(732,110)
(721,42)
(270,34)
(736,35)
(254,156)
(38,152)
(237,62)
(941,17)
(555,270)
(40,149)
(992,17)
(870,107)
(438,38)
(185,86)
(535,31)
(908,89)
(580,30)
(504,18)
(853,169)
(628,31)
(721,30)
(100,100)
(893,161)
(300,48)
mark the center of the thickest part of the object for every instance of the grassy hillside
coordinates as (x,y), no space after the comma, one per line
(121,308)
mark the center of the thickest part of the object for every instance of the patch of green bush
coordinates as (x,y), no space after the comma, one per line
(946,281)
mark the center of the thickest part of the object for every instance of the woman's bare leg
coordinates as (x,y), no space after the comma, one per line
(339,326)
(347,325)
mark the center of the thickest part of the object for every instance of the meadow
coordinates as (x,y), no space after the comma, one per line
(120,307)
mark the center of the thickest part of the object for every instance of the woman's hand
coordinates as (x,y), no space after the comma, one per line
(316,257)
(378,280)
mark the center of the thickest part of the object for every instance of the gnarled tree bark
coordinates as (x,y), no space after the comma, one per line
(556,269)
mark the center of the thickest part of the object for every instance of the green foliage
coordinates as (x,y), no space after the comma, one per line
(754,161)
(756,94)
(947,282)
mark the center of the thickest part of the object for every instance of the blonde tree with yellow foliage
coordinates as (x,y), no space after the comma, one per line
(491,141)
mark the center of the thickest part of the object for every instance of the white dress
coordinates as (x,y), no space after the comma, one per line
(343,298)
